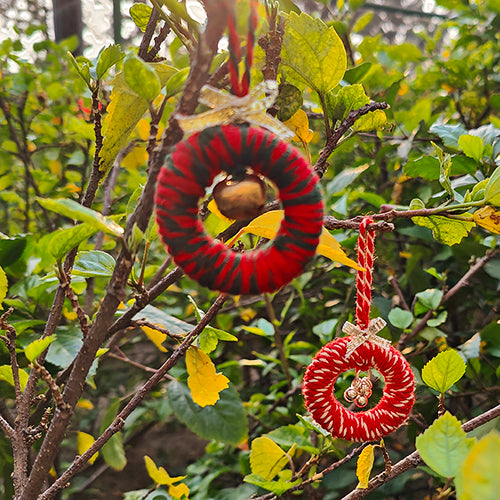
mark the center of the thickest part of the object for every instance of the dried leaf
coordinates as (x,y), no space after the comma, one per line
(489,218)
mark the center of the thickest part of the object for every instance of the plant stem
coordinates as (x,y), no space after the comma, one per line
(278,341)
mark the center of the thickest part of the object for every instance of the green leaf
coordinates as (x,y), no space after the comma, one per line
(277,487)
(83,69)
(33,350)
(478,476)
(492,190)
(6,374)
(374,120)
(225,421)
(313,53)
(141,77)
(113,451)
(3,286)
(444,445)
(289,101)
(443,315)
(430,298)
(344,179)
(74,210)
(348,98)
(158,317)
(442,371)
(176,82)
(472,146)
(448,133)
(61,241)
(123,113)
(446,230)
(208,340)
(400,318)
(108,57)
(140,14)
(444,175)
(426,167)
(94,263)
(65,347)
(11,249)
(293,435)
(356,75)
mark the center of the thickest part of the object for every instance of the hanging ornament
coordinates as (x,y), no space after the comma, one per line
(223,142)
(362,350)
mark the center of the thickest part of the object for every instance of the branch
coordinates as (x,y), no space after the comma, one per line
(119,421)
(414,458)
(462,282)
(336,134)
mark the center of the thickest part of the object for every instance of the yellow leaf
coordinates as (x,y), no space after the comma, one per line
(135,158)
(267,459)
(203,381)
(212,206)
(156,337)
(143,129)
(267,225)
(85,404)
(158,474)
(489,218)
(83,442)
(330,247)
(3,286)
(247,314)
(364,466)
(299,123)
(55,167)
(124,112)
(178,491)
(478,476)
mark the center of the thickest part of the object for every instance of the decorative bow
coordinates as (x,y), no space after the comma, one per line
(361,336)
(228,108)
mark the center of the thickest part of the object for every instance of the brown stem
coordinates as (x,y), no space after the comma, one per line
(148,35)
(395,284)
(278,340)
(464,281)
(271,43)
(336,134)
(414,459)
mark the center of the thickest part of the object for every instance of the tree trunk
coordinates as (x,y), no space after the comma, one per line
(68,21)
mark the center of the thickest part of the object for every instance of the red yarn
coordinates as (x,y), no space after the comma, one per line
(334,358)
(366,248)
(240,88)
(391,411)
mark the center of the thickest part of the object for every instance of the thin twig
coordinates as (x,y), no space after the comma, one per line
(336,134)
(464,281)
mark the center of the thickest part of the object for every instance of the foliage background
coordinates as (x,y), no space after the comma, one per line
(440,85)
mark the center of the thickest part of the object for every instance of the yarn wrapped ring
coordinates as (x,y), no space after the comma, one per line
(370,425)
(192,166)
